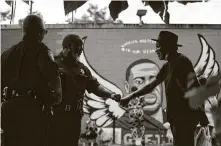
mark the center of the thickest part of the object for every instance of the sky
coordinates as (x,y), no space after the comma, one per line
(192,13)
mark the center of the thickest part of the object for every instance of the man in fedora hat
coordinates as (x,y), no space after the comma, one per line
(175,73)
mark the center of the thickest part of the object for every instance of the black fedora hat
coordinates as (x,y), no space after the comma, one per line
(167,37)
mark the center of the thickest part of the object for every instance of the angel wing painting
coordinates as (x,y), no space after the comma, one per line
(206,65)
(104,111)
(100,110)
(206,68)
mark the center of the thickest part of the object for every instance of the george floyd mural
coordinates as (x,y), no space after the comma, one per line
(123,60)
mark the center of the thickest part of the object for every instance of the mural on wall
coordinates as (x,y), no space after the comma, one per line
(137,73)
(123,60)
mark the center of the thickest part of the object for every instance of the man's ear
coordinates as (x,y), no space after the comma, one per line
(127,87)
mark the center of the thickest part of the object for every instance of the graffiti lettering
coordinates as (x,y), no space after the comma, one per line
(149,51)
(129,43)
(125,47)
(146,41)
(127,139)
(144,51)
(148,138)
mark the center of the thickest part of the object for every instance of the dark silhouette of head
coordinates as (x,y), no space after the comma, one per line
(33,27)
(166,43)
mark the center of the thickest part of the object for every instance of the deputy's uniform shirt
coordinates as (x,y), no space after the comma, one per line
(76,78)
(175,75)
(28,65)
(66,122)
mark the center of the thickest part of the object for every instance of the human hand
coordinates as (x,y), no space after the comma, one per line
(166,125)
(125,100)
(116,97)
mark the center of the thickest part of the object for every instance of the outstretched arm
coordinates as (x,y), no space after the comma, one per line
(103,92)
(95,87)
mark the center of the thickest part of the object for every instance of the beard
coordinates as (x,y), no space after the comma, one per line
(161,55)
(71,55)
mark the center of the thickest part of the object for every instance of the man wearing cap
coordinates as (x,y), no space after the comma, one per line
(30,81)
(76,78)
(174,73)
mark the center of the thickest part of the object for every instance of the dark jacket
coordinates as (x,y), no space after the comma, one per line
(28,65)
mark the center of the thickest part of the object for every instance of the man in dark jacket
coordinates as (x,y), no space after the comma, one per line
(175,74)
(76,78)
(30,81)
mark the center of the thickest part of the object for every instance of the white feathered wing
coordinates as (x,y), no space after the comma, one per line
(100,110)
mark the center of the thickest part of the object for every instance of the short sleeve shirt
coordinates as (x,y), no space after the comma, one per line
(76,78)
(175,74)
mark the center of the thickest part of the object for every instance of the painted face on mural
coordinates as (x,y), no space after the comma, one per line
(141,74)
